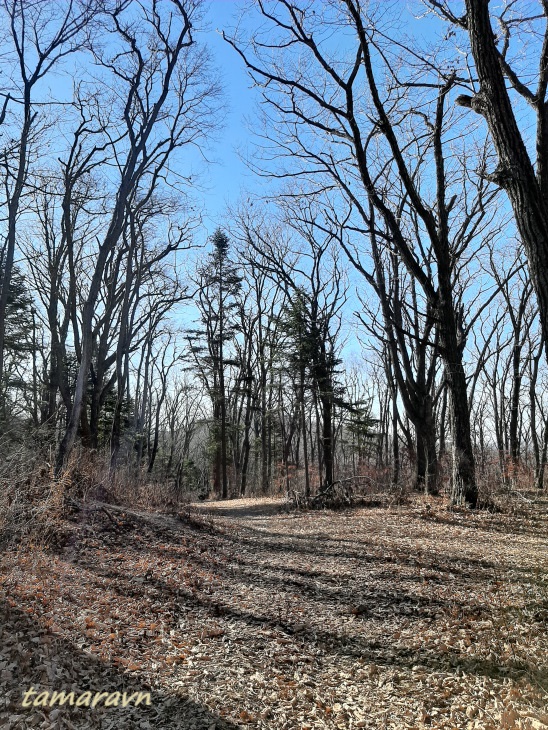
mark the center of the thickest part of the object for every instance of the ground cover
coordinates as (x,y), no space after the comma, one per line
(242,614)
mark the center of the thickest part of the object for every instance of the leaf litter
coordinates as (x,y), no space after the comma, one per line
(242,615)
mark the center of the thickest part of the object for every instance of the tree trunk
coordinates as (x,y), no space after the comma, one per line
(528,194)
(395,441)
(539,481)
(305,440)
(432,481)
(464,487)
(8,249)
(327,437)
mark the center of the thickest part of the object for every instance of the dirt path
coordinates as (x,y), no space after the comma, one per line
(236,510)
(242,509)
(240,614)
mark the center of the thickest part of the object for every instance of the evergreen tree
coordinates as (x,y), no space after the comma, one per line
(220,284)
(314,360)
(18,341)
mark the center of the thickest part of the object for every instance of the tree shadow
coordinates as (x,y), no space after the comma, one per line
(340,643)
(530,524)
(208,554)
(33,657)
(215,544)
(230,559)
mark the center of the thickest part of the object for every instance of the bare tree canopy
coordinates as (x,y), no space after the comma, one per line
(373,316)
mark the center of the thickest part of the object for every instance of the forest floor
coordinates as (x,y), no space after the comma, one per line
(243,615)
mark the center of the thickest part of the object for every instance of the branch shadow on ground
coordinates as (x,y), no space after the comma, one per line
(378,605)
(36,658)
(338,644)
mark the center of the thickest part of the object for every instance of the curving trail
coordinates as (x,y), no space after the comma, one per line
(242,614)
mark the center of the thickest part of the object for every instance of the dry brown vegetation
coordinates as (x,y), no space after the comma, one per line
(242,614)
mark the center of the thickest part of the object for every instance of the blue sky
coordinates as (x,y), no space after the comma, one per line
(228,176)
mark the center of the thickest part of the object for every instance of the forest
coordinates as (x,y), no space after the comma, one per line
(317,413)
(377,317)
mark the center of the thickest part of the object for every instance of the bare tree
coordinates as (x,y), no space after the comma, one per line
(312,280)
(373,146)
(168,97)
(41,35)
(503,66)
(261,329)
(212,346)
(411,357)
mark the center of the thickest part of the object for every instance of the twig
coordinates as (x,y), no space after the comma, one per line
(525,499)
(111,518)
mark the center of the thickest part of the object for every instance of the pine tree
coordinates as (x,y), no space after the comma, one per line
(314,360)
(18,342)
(220,284)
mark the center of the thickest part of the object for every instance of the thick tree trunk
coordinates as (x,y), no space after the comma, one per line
(514,407)
(539,478)
(464,487)
(69,438)
(443,420)
(427,464)
(395,441)
(94,414)
(245,464)
(527,192)
(327,437)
